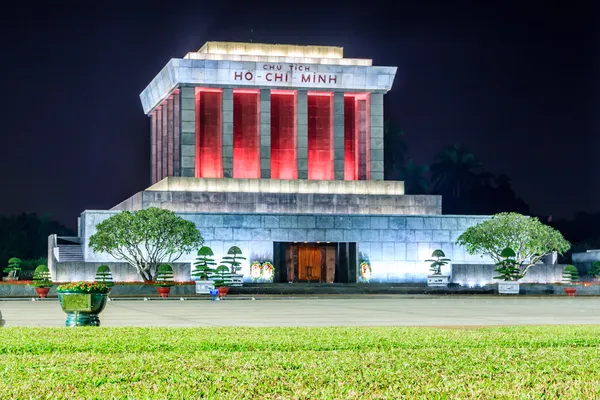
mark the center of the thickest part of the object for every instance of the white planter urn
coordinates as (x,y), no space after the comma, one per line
(437,280)
(508,287)
(203,287)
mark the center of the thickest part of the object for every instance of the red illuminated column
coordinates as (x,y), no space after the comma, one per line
(159,113)
(153,147)
(320,136)
(176,135)
(246,155)
(350,139)
(208,133)
(284,156)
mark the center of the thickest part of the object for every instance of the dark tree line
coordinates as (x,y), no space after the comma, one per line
(455,173)
(26,236)
(467,188)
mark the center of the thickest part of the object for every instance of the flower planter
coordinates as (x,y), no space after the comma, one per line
(223,290)
(570,291)
(508,287)
(204,287)
(163,291)
(42,292)
(82,308)
(437,280)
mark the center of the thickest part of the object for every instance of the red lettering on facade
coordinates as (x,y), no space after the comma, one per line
(332,79)
(306,68)
(248,76)
(278,77)
(306,78)
(321,78)
(269,77)
(237,76)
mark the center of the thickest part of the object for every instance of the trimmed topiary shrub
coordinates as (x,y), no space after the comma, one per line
(164,277)
(104,275)
(41,277)
(571,274)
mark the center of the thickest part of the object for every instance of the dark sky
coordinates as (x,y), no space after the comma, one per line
(517,84)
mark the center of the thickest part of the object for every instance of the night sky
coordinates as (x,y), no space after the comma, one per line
(518,85)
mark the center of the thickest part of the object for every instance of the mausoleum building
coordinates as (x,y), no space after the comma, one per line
(278,149)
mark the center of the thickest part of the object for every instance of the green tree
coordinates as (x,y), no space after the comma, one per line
(455,171)
(526,236)
(146,239)
(415,181)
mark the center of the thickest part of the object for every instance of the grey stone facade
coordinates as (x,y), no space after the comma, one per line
(396,246)
(285,203)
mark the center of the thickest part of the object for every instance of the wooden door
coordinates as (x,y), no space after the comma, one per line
(309,263)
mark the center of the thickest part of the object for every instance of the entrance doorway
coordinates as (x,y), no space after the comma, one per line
(315,262)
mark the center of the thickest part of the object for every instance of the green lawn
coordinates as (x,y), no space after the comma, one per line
(300,363)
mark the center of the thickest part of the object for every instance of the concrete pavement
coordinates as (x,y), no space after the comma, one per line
(356,311)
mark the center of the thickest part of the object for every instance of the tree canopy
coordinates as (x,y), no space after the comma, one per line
(530,239)
(146,239)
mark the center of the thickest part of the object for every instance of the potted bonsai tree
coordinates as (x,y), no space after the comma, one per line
(164,280)
(437,262)
(14,266)
(82,301)
(570,276)
(104,275)
(233,258)
(222,280)
(203,268)
(509,272)
(42,281)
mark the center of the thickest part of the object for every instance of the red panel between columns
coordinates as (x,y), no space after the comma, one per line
(350,139)
(209,163)
(246,123)
(284,138)
(320,136)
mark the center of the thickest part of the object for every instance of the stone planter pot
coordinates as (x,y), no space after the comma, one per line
(42,292)
(437,280)
(204,287)
(223,290)
(570,291)
(163,291)
(508,287)
(82,308)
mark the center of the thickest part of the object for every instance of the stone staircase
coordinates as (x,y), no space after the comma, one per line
(69,253)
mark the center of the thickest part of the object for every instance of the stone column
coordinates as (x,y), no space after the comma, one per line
(376,136)
(338,135)
(265,133)
(227,142)
(187,107)
(302,132)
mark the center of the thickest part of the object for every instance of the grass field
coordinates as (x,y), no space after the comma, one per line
(300,363)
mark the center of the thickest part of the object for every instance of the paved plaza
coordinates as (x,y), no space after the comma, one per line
(398,310)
